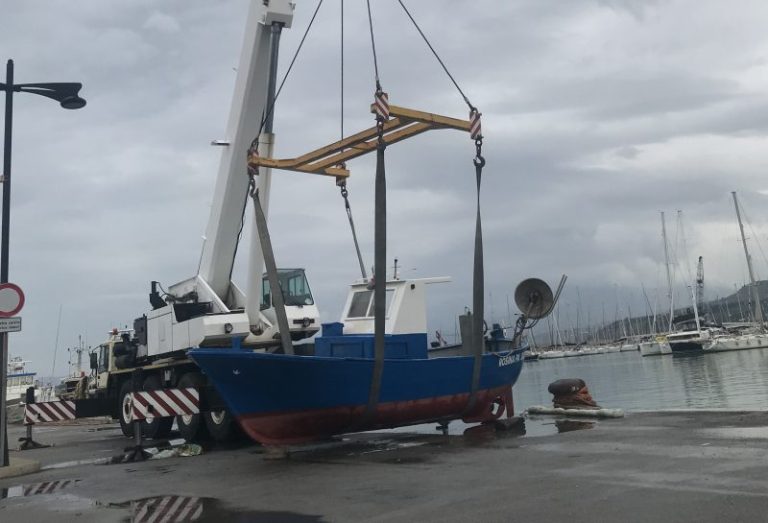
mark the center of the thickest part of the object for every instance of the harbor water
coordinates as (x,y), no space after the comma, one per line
(627,380)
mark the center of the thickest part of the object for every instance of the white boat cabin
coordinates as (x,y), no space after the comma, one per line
(406,306)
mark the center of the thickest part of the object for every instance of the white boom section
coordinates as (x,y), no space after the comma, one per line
(248,107)
(228,304)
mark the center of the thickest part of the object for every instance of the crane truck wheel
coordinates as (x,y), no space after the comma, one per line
(222,426)
(126,406)
(192,428)
(155,428)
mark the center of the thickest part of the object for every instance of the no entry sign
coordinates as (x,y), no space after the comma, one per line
(11,299)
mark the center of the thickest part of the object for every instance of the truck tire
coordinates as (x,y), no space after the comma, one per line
(155,428)
(125,406)
(222,426)
(192,428)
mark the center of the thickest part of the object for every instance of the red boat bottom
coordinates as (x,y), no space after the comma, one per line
(286,428)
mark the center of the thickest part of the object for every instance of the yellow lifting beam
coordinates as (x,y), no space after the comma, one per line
(330,160)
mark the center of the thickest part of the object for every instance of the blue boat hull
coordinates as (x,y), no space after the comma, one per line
(282,399)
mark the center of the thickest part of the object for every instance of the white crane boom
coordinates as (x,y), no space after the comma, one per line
(249,104)
(209,309)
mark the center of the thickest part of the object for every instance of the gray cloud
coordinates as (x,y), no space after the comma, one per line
(597,114)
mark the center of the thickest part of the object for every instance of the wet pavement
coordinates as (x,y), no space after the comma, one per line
(647,467)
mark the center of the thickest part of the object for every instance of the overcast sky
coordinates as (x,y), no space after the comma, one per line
(597,115)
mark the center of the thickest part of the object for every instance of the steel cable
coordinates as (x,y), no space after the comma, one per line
(466,100)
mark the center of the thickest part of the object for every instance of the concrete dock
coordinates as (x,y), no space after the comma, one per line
(677,467)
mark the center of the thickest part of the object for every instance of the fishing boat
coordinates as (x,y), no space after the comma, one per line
(372,369)
(281,399)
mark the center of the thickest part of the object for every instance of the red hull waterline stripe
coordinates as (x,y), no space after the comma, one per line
(165,403)
(49,411)
(288,428)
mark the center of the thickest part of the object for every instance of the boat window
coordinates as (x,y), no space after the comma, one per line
(359,306)
(362,304)
(293,283)
(387,303)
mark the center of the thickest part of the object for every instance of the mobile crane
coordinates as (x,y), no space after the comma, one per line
(209,309)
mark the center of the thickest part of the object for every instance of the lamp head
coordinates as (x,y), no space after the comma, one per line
(73,102)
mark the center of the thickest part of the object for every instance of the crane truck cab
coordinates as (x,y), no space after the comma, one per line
(182,321)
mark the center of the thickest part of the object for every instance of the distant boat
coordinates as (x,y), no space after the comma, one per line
(691,341)
(655,346)
(727,343)
(629,347)
(551,354)
(757,338)
(18,381)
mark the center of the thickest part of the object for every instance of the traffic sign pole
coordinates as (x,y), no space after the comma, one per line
(4,459)
(11,302)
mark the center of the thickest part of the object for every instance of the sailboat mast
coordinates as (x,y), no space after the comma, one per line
(695,309)
(669,276)
(755,293)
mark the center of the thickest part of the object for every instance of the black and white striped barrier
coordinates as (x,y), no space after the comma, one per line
(167,509)
(35,489)
(47,487)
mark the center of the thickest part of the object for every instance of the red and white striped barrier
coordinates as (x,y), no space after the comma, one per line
(167,509)
(165,403)
(48,411)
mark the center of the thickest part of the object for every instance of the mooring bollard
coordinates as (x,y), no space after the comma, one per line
(27,442)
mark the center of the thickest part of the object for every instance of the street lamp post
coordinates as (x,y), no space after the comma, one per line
(67,95)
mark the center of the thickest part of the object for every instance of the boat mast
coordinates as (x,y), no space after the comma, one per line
(755,292)
(670,295)
(695,309)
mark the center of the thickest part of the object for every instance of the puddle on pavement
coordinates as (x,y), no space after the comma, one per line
(402,445)
(529,427)
(737,432)
(178,509)
(36,489)
(569,425)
